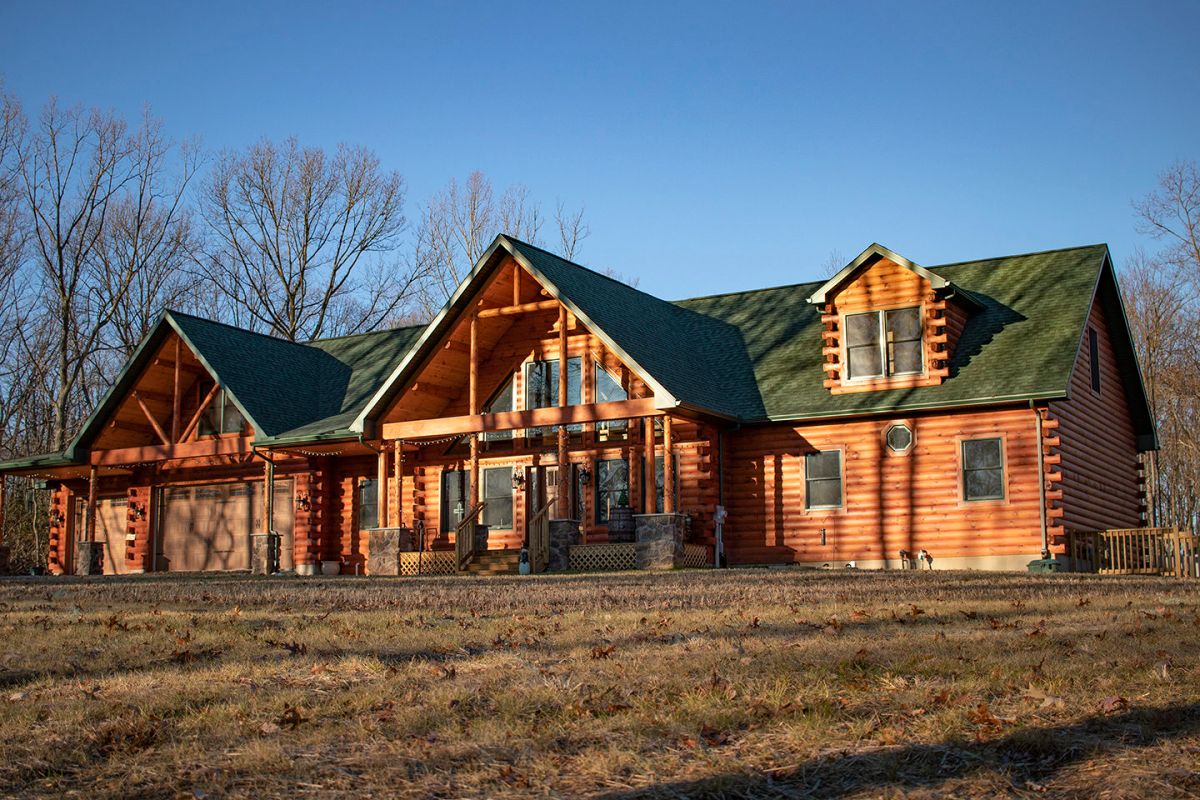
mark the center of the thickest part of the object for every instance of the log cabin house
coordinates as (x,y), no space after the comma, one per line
(975,411)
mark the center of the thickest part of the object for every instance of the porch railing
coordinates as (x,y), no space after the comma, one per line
(464,537)
(539,538)
(1135,551)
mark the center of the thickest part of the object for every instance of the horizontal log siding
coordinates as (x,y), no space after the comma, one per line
(891,502)
(1101,485)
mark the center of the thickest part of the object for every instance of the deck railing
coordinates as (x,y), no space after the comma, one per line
(539,538)
(1135,551)
(464,537)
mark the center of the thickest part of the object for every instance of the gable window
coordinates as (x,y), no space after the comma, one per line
(368,504)
(884,343)
(500,402)
(983,469)
(823,479)
(498,494)
(609,390)
(612,485)
(221,415)
(1094,358)
(541,388)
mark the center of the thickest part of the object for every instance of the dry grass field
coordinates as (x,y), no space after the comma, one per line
(757,683)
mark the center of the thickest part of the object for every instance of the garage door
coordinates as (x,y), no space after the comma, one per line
(208,526)
(110,528)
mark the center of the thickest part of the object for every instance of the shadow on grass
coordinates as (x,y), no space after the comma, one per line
(1027,758)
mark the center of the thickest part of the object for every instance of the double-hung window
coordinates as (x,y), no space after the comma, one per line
(368,504)
(983,469)
(884,343)
(498,494)
(823,479)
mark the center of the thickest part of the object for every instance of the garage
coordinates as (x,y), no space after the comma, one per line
(110,528)
(208,526)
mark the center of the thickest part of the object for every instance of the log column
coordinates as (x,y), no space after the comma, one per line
(564,477)
(473,409)
(397,504)
(648,465)
(381,491)
(668,468)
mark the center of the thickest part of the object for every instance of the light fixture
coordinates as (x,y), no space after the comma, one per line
(302,502)
(56,518)
(585,476)
(138,511)
(518,478)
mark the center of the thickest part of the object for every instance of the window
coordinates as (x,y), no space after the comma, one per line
(368,504)
(660,482)
(498,494)
(221,415)
(983,469)
(501,401)
(541,388)
(884,343)
(608,390)
(1094,358)
(612,485)
(899,438)
(823,479)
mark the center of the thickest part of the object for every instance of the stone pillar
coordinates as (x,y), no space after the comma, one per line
(89,558)
(264,553)
(660,539)
(384,546)
(564,534)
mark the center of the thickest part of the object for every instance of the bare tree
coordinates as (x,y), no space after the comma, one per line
(73,164)
(461,220)
(304,243)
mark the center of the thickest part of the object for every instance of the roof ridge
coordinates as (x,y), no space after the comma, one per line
(1018,255)
(208,321)
(363,333)
(748,291)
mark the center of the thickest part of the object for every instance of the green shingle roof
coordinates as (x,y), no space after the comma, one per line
(751,356)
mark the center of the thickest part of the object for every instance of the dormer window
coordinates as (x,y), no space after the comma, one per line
(884,343)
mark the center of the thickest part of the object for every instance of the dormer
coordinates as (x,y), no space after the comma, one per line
(888,323)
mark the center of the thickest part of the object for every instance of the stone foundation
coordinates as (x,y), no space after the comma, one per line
(660,540)
(384,546)
(89,558)
(564,534)
(264,553)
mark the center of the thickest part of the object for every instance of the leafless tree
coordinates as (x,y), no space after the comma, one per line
(305,243)
(74,162)
(1162,298)
(460,221)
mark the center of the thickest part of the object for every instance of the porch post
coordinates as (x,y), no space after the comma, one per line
(648,465)
(473,409)
(89,525)
(269,499)
(668,468)
(563,472)
(381,493)
(175,403)
(398,466)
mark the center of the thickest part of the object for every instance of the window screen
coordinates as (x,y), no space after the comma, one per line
(823,479)
(1094,353)
(862,345)
(368,504)
(498,494)
(903,340)
(983,469)
(612,481)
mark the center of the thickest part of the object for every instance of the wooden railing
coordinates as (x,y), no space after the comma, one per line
(1135,551)
(539,538)
(464,537)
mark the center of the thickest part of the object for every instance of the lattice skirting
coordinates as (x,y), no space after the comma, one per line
(431,562)
(602,557)
(697,555)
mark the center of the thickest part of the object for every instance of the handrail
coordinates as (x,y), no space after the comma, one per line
(464,536)
(539,538)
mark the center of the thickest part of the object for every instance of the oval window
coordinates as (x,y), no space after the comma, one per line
(899,438)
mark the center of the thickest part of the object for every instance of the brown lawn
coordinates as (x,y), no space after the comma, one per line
(741,683)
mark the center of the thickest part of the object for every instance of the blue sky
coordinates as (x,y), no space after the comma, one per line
(715,147)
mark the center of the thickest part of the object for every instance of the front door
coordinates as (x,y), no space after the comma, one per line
(456,493)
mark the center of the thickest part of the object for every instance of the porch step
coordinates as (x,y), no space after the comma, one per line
(495,562)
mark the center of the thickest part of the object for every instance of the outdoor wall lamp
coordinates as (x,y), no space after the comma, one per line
(56,518)
(518,478)
(585,476)
(303,503)
(138,511)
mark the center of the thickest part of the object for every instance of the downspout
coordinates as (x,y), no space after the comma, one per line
(1041,460)
(721,560)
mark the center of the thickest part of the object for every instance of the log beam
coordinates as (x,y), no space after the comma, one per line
(217,446)
(517,420)
(518,308)
(195,420)
(153,422)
